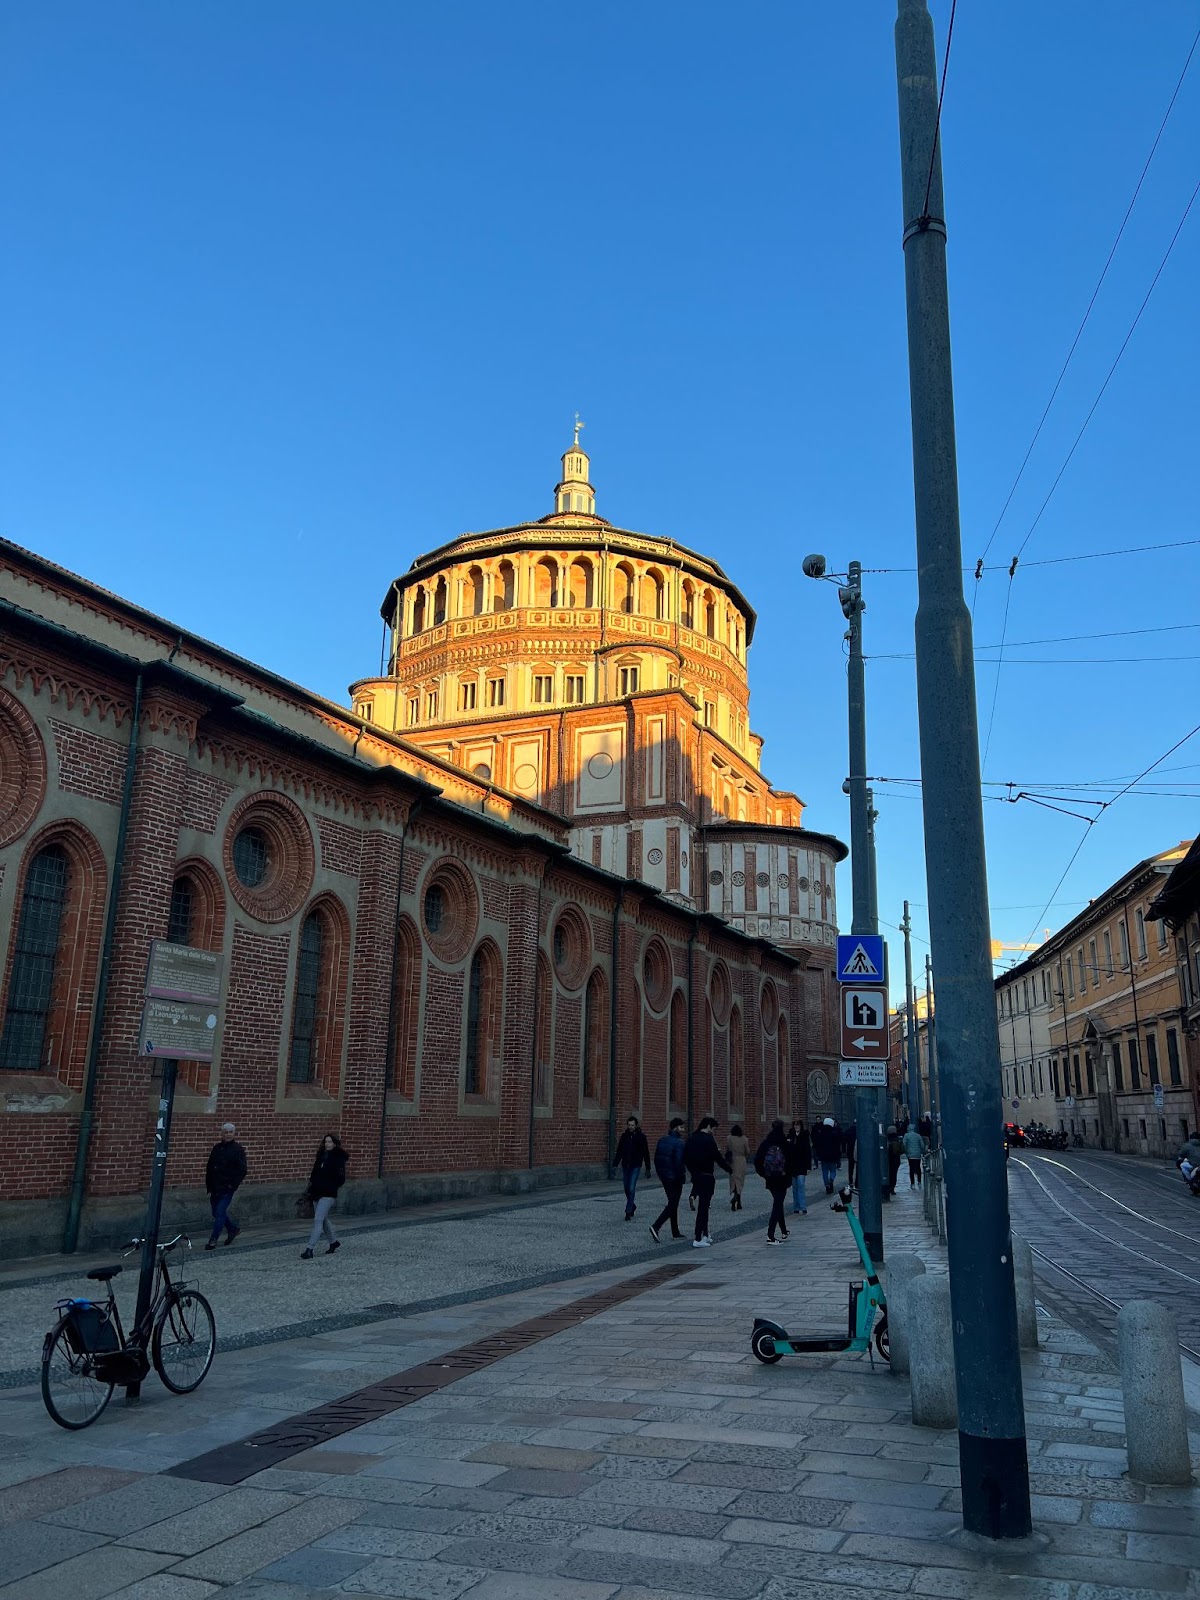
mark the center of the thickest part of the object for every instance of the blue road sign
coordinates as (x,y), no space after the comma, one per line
(860,958)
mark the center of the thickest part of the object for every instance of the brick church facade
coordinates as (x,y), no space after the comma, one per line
(469,939)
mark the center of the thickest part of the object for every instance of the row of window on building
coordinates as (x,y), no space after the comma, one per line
(1081,971)
(1078,1069)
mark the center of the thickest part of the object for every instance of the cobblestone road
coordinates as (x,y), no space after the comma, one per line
(261,1292)
(641,1455)
(1123,1229)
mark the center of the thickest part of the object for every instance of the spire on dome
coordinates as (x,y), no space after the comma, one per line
(575,493)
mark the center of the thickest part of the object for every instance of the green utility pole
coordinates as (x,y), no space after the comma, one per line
(993,1459)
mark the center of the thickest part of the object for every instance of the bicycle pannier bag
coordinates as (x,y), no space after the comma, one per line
(90,1331)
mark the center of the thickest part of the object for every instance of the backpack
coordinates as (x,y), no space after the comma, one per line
(774,1162)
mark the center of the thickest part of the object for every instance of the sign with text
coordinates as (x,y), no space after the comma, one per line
(864,1024)
(860,958)
(862,1074)
(177,972)
(179,1030)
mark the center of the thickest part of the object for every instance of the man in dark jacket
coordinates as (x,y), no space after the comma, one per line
(668,1163)
(701,1155)
(799,1148)
(633,1153)
(827,1148)
(224,1175)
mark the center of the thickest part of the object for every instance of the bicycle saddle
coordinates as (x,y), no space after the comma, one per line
(103,1274)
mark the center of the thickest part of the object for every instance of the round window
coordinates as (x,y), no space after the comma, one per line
(482,771)
(435,907)
(571,947)
(656,970)
(450,909)
(251,857)
(769,1007)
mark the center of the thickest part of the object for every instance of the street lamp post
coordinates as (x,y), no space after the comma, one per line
(993,1459)
(866,1104)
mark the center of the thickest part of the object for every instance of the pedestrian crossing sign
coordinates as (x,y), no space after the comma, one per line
(860,957)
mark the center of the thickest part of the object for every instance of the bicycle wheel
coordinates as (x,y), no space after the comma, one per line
(184,1341)
(73,1394)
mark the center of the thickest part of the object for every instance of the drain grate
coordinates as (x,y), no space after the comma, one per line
(694,1287)
(232,1463)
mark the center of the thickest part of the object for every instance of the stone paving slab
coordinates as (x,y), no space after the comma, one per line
(102,1571)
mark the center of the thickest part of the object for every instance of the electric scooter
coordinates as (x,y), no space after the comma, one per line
(770,1342)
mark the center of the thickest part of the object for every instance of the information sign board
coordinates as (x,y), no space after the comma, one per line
(178,972)
(179,1030)
(862,1074)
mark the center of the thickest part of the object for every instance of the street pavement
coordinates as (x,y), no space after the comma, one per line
(1107,1229)
(640,1454)
(418,1260)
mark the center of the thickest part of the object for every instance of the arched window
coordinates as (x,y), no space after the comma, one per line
(688,615)
(623,587)
(439,603)
(472,592)
(406,1004)
(737,1062)
(595,1040)
(483,1024)
(305,1015)
(580,587)
(783,1070)
(418,622)
(653,591)
(182,915)
(319,1003)
(710,614)
(677,1088)
(35,962)
(195,917)
(545,583)
(543,1045)
(505,592)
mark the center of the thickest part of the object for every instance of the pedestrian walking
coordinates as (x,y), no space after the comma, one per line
(633,1153)
(895,1154)
(668,1163)
(224,1175)
(850,1146)
(737,1153)
(799,1147)
(771,1163)
(328,1176)
(701,1154)
(914,1148)
(827,1148)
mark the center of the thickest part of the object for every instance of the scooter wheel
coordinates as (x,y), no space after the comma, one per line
(883,1341)
(763,1345)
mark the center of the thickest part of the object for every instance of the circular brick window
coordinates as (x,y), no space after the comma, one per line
(22,769)
(449,910)
(763,880)
(769,1007)
(571,947)
(720,994)
(715,876)
(803,885)
(656,972)
(269,857)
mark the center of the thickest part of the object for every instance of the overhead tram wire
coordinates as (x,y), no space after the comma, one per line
(1050,561)
(1090,305)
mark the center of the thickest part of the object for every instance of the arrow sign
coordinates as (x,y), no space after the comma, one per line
(864,1024)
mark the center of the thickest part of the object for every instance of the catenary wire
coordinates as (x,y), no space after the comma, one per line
(1095,292)
(1050,561)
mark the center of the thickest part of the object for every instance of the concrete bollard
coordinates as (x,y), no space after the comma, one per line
(931,1353)
(1027,1328)
(901,1270)
(1152,1391)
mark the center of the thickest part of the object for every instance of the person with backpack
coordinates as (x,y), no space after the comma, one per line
(701,1155)
(633,1153)
(799,1148)
(772,1164)
(668,1163)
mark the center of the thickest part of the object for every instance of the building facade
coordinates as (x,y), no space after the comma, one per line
(439,968)
(1177,905)
(1094,1023)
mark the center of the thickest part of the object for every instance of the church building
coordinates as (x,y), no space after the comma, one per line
(532,880)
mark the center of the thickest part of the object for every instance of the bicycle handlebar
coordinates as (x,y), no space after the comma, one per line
(180,1238)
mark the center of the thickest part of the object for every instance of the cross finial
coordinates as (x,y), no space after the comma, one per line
(578,425)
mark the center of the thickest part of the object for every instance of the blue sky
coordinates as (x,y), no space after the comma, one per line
(294,291)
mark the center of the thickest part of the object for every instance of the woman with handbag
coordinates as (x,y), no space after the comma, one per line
(328,1176)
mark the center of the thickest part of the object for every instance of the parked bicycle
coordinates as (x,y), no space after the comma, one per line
(86,1353)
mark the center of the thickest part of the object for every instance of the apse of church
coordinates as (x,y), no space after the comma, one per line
(602,673)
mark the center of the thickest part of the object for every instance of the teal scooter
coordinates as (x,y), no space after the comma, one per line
(770,1342)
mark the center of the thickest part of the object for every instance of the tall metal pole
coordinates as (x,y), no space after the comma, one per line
(870,1186)
(158,1176)
(993,1459)
(931,1063)
(882,1111)
(910,1020)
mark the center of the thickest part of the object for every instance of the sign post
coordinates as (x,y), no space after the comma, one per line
(179,1023)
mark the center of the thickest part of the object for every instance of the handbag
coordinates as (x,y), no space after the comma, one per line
(305,1210)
